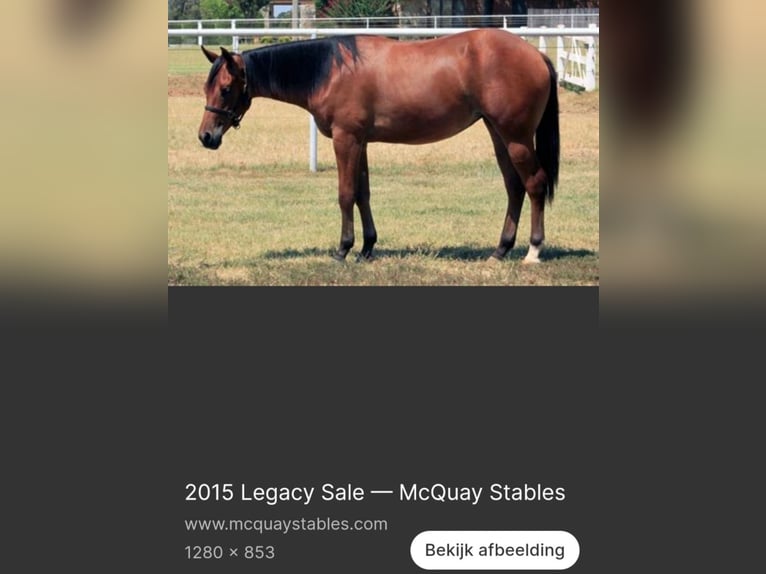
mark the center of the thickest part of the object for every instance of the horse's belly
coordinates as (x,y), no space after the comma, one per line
(420,130)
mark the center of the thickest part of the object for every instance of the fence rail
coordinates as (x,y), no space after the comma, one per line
(571,17)
(533,19)
(400,32)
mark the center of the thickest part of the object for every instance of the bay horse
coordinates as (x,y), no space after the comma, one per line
(363,89)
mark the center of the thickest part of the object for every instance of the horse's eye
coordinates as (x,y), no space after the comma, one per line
(225,91)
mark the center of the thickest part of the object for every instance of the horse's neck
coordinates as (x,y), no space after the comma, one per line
(264,90)
(260,84)
(288,99)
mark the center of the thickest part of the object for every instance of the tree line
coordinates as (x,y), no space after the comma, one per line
(214,9)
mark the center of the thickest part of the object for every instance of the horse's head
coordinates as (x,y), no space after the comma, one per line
(227,97)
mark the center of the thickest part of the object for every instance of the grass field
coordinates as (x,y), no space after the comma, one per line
(251,213)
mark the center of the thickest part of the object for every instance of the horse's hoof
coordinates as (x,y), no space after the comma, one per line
(362,258)
(494,260)
(530,260)
(339,257)
(533,255)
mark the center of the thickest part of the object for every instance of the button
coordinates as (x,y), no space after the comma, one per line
(494,550)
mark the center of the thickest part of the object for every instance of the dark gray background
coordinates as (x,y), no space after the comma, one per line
(378,387)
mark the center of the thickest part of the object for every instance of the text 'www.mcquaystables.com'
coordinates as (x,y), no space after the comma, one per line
(279,526)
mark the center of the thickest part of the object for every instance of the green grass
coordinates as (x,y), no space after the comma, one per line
(187,60)
(252,214)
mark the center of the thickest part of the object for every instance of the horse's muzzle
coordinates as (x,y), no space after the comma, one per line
(209,140)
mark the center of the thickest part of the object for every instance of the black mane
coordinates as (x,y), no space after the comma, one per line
(296,69)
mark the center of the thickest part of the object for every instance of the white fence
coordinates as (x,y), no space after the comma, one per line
(575,49)
(575,58)
(534,19)
(569,17)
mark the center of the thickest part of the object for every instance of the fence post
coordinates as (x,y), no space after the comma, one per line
(234,39)
(561,58)
(199,27)
(312,135)
(590,63)
(542,45)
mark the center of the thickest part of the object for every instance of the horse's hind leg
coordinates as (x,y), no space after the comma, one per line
(363,203)
(532,175)
(515,190)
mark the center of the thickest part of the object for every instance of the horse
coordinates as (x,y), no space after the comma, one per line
(362,89)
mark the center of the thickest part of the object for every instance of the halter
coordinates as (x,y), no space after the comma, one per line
(233,117)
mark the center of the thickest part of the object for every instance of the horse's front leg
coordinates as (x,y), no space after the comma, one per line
(348,151)
(363,204)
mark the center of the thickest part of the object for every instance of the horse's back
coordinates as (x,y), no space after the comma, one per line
(427,90)
(473,51)
(475,62)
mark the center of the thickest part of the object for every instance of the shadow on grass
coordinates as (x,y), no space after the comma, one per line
(552,253)
(452,253)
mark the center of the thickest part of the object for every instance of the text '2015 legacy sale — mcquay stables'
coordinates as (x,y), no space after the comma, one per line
(414,492)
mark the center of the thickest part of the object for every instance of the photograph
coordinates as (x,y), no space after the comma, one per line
(380,143)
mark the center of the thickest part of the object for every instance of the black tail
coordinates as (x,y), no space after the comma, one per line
(547,136)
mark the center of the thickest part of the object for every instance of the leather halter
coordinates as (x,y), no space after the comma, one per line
(233,117)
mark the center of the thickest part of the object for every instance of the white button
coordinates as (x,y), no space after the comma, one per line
(494,550)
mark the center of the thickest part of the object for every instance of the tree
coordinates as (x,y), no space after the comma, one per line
(190,9)
(183,9)
(251,8)
(563,3)
(219,9)
(358,8)
(320,5)
(487,8)
(519,10)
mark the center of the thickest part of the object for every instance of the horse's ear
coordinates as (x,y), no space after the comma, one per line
(227,56)
(231,65)
(209,55)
